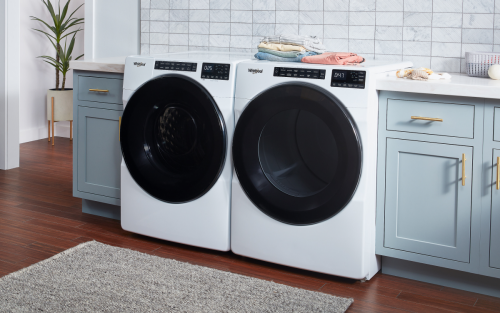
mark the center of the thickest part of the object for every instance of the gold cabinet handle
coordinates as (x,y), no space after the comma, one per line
(99,90)
(427,118)
(463,169)
(498,173)
(119,127)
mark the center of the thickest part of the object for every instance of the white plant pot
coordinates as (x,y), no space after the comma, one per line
(63,104)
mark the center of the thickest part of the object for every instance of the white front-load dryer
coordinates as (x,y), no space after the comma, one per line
(175,136)
(304,154)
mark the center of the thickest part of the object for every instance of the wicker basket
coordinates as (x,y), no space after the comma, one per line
(478,63)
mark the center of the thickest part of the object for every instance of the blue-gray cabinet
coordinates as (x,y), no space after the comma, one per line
(428,206)
(429,177)
(96,152)
(490,223)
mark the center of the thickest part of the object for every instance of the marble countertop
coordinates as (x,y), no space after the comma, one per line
(112,65)
(459,85)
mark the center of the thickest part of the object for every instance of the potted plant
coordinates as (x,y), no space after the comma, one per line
(61,108)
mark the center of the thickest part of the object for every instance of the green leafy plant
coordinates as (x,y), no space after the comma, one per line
(62,64)
(62,23)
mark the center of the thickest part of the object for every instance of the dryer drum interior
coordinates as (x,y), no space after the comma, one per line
(173,139)
(297,153)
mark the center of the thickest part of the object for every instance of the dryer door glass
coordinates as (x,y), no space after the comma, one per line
(173,139)
(297,154)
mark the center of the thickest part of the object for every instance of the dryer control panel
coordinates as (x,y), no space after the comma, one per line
(312,73)
(348,79)
(175,66)
(215,71)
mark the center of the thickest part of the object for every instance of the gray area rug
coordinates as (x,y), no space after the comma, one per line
(94,277)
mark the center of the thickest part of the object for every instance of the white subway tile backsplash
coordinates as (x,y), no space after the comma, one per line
(199,15)
(311,17)
(220,4)
(389,18)
(362,5)
(311,5)
(199,4)
(479,6)
(430,33)
(361,18)
(292,29)
(447,34)
(418,5)
(337,18)
(446,49)
(335,5)
(416,48)
(417,19)
(289,5)
(388,33)
(220,28)
(390,5)
(447,6)
(337,31)
(264,17)
(477,36)
(241,16)
(447,20)
(478,20)
(240,4)
(241,29)
(264,5)
(361,32)
(221,16)
(287,17)
(412,33)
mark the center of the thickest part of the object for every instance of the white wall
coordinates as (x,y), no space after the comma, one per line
(38,76)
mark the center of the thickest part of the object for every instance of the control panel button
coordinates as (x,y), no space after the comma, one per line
(175,66)
(215,71)
(299,73)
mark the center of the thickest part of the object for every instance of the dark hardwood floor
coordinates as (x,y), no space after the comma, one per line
(39,218)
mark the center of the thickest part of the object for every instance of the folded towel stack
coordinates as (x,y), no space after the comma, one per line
(289,48)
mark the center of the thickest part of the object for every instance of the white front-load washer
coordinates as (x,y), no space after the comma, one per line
(304,154)
(175,136)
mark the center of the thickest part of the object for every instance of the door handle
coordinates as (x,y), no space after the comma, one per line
(463,169)
(498,173)
(99,90)
(119,127)
(427,118)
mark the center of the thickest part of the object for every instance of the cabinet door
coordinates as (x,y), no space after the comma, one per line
(428,209)
(99,152)
(495,214)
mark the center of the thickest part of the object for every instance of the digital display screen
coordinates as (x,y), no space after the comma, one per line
(339,75)
(208,68)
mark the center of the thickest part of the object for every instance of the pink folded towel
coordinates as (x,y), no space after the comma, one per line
(335,58)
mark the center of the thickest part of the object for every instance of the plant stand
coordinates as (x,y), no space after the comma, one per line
(59,108)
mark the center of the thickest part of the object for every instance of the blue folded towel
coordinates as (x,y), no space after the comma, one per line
(272,57)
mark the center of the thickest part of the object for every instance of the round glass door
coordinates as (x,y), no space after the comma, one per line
(173,139)
(297,154)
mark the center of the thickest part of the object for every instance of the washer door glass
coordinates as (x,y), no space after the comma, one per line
(297,154)
(173,139)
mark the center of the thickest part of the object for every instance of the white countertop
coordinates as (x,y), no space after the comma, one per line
(112,65)
(459,85)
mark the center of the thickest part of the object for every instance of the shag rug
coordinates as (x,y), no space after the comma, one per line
(95,277)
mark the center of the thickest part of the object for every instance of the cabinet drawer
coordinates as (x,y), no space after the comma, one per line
(496,124)
(457,119)
(113,87)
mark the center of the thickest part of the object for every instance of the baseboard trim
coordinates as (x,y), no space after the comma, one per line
(32,134)
(442,276)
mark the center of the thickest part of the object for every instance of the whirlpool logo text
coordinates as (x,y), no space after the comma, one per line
(255,71)
(139,64)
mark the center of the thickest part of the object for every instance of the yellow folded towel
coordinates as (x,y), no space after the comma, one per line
(281,47)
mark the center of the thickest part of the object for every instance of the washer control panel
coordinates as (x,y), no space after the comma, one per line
(215,71)
(299,72)
(348,79)
(175,66)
